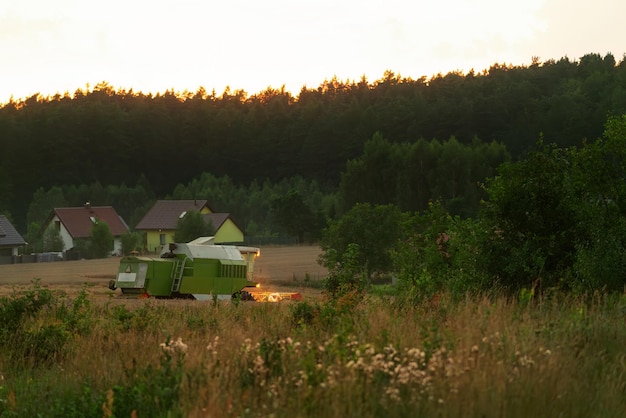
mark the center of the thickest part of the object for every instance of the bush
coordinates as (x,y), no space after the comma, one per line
(133,241)
(101,244)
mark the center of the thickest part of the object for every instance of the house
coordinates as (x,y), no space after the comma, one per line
(10,239)
(76,223)
(161,221)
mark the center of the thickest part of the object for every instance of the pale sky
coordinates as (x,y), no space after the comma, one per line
(56,46)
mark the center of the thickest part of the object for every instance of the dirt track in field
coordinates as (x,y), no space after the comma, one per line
(278,267)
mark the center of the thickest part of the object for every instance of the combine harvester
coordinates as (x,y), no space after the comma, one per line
(199,269)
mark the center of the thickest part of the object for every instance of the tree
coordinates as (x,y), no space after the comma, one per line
(557,218)
(52,240)
(43,202)
(438,252)
(345,273)
(191,226)
(33,238)
(131,241)
(374,229)
(293,215)
(6,192)
(101,240)
(534,224)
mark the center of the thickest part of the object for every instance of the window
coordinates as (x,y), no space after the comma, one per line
(162,239)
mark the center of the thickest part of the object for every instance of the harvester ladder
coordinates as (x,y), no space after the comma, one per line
(177,273)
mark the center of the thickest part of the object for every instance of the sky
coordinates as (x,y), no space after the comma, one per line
(59,46)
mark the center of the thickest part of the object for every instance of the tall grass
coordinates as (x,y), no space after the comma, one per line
(484,356)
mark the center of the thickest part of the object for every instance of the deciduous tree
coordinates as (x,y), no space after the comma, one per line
(191,226)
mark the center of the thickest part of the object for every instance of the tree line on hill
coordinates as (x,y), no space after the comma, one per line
(403,174)
(111,137)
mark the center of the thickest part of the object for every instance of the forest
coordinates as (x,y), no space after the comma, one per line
(395,140)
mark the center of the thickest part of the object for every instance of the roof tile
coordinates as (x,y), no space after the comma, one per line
(79,222)
(164,214)
(9,237)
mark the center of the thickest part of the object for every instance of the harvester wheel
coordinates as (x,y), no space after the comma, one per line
(243,295)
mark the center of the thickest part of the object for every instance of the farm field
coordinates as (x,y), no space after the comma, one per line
(366,355)
(276,267)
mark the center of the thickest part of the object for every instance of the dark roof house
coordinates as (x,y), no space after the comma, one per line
(164,214)
(161,222)
(10,239)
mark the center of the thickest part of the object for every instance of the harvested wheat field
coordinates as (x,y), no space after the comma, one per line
(279,268)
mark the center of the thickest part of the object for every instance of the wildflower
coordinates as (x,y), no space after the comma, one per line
(172,347)
(213,345)
(526,361)
(393,393)
(247,345)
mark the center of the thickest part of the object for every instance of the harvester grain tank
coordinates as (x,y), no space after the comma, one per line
(199,269)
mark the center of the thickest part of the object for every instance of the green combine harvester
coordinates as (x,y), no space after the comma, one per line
(198,269)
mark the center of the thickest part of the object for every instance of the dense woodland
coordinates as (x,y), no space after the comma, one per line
(395,140)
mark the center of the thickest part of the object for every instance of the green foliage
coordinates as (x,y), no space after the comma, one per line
(346,273)
(132,241)
(33,238)
(439,253)
(100,240)
(6,192)
(134,319)
(191,226)
(52,240)
(557,218)
(291,214)
(422,259)
(151,391)
(27,340)
(374,229)
(17,308)
(76,314)
(533,211)
(411,174)
(303,314)
(43,203)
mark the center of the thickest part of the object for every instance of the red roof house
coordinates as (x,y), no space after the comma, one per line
(76,223)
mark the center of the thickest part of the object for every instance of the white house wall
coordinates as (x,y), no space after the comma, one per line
(68,242)
(117,246)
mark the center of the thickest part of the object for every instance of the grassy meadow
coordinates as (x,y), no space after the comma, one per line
(366,356)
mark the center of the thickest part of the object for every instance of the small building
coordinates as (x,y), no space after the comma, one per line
(160,223)
(10,239)
(76,223)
